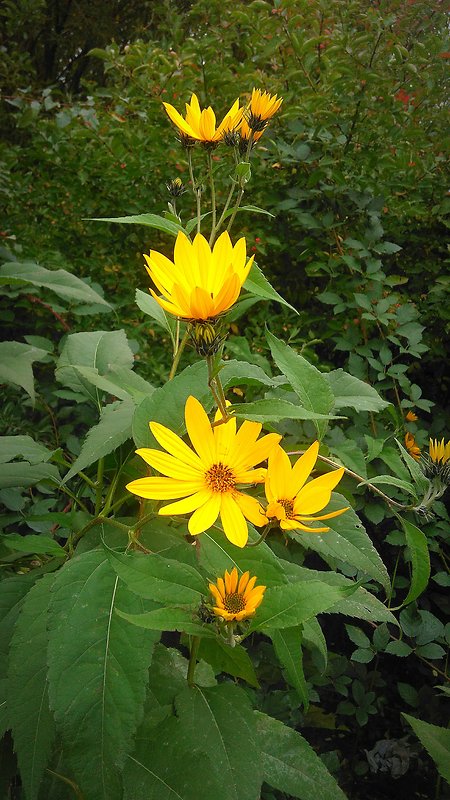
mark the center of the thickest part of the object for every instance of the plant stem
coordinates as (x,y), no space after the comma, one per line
(99,486)
(242,189)
(100,520)
(225,208)
(196,189)
(195,644)
(215,384)
(261,538)
(177,356)
(213,198)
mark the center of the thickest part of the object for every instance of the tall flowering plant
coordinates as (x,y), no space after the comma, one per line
(136,631)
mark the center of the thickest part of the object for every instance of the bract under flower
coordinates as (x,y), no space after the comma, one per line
(200,124)
(206,476)
(291,500)
(200,283)
(236,598)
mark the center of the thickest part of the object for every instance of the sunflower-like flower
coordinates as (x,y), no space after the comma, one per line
(412,446)
(236,598)
(410,416)
(207,476)
(436,463)
(291,500)
(200,283)
(200,124)
(261,109)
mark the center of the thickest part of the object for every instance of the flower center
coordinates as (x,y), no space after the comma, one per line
(234,602)
(220,478)
(288,506)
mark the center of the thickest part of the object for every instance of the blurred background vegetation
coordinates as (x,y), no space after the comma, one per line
(353,170)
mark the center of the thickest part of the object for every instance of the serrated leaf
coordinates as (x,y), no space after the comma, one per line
(16,359)
(150,220)
(161,579)
(24,447)
(169,619)
(98,709)
(23,475)
(33,544)
(121,383)
(275,411)
(347,541)
(288,647)
(32,722)
(291,765)
(436,741)
(218,554)
(420,560)
(113,430)
(258,285)
(307,382)
(12,593)
(391,480)
(288,606)
(63,283)
(149,306)
(350,392)
(100,350)
(415,471)
(226,732)
(314,639)
(232,660)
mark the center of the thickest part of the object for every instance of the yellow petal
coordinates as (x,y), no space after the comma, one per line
(199,430)
(303,468)
(170,466)
(178,120)
(205,516)
(224,437)
(243,582)
(233,521)
(216,594)
(257,452)
(221,587)
(316,494)
(175,446)
(187,505)
(162,488)
(279,473)
(251,509)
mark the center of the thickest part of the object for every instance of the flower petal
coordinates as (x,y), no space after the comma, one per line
(161,488)
(251,509)
(233,521)
(175,446)
(205,516)
(170,466)
(303,468)
(196,499)
(316,494)
(200,432)
(279,474)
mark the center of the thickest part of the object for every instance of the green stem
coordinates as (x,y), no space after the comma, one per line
(100,520)
(76,499)
(261,538)
(215,384)
(177,356)
(226,206)
(99,486)
(193,660)
(196,189)
(213,198)
(242,189)
(82,475)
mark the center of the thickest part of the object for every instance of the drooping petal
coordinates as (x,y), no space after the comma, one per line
(187,505)
(233,521)
(251,509)
(205,516)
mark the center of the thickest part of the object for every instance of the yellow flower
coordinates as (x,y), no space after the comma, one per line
(262,107)
(201,124)
(206,476)
(411,416)
(236,599)
(439,452)
(412,446)
(293,501)
(200,283)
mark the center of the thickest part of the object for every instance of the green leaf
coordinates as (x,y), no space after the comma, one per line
(25,475)
(232,660)
(169,619)
(33,544)
(313,639)
(24,446)
(357,636)
(225,729)
(415,470)
(436,741)
(241,373)
(148,305)
(218,554)
(166,404)
(362,655)
(391,480)
(12,593)
(31,720)
(347,541)
(307,382)
(288,647)
(113,430)
(398,648)
(258,285)
(63,283)
(350,392)
(291,765)
(16,359)
(98,709)
(151,220)
(420,560)
(161,579)
(288,606)
(99,350)
(121,383)
(275,411)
